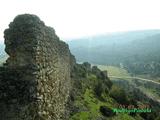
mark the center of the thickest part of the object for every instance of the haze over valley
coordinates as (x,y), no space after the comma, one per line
(132,61)
(80,60)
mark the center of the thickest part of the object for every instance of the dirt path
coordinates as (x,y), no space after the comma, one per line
(125,77)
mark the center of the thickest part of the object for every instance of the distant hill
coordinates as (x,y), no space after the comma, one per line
(2,52)
(118,47)
(112,38)
(3,55)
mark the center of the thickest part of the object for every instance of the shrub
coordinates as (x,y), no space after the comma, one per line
(118,94)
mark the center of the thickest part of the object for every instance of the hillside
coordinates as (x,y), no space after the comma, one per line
(42,81)
(137,51)
(116,48)
(132,64)
(112,38)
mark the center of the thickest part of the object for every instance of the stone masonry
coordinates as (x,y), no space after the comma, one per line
(35,80)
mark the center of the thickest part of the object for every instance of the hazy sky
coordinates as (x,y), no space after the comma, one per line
(76,18)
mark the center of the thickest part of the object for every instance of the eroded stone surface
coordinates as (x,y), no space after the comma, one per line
(35,81)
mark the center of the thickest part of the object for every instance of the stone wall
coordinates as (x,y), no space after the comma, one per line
(35,81)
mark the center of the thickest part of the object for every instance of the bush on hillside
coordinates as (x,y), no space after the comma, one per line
(118,94)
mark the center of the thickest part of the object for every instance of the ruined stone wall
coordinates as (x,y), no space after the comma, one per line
(35,81)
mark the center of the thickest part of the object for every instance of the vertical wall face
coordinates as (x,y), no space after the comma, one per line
(39,68)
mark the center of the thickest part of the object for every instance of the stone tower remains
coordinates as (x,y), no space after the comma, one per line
(35,80)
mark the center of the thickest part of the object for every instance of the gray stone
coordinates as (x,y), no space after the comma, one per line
(38,65)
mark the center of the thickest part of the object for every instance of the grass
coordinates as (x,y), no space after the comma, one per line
(92,105)
(114,71)
(123,116)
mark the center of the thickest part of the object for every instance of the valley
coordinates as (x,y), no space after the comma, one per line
(80,60)
(149,87)
(133,74)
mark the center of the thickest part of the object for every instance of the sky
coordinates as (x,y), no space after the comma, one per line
(78,18)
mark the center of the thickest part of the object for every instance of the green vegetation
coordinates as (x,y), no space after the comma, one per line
(91,105)
(119,95)
(146,76)
(118,48)
(137,51)
(93,92)
(151,92)
(114,71)
(130,54)
(119,72)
